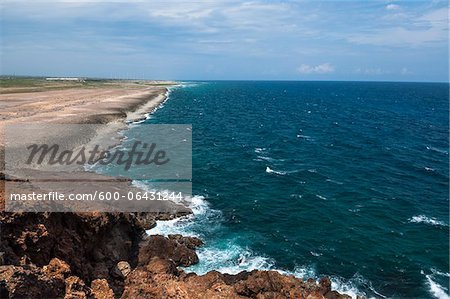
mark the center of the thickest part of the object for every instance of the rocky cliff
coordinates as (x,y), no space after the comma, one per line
(106,255)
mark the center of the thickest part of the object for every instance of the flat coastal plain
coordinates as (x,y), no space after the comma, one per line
(110,104)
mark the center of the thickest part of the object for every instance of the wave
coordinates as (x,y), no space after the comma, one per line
(268,159)
(148,115)
(435,288)
(352,286)
(259,150)
(334,182)
(321,197)
(270,170)
(431,148)
(309,138)
(426,220)
(226,255)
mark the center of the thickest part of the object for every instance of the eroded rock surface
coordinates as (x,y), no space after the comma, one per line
(105,256)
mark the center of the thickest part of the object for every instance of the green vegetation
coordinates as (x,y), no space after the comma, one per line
(13,84)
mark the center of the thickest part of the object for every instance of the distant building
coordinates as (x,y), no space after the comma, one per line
(64,79)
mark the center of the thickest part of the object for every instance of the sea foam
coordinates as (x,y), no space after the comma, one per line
(435,288)
(227,256)
(426,220)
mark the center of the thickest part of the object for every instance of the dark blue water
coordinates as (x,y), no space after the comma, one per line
(346,179)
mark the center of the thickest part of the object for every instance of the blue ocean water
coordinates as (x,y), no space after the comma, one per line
(345,179)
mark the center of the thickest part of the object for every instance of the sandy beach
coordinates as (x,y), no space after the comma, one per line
(107,105)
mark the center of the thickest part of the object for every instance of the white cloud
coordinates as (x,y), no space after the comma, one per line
(405,71)
(371,71)
(428,28)
(392,7)
(324,68)
(377,71)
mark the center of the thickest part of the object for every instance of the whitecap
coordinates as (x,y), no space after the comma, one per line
(304,137)
(226,255)
(269,170)
(436,289)
(228,258)
(426,220)
(259,150)
(431,148)
(266,158)
(334,182)
(350,286)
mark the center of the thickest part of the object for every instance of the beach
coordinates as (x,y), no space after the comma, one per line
(108,255)
(59,110)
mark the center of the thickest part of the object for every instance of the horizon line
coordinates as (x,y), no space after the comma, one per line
(211,80)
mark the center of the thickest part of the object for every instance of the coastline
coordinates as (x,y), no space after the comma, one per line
(116,257)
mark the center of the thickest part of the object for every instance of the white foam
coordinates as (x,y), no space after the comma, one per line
(266,158)
(183,225)
(334,181)
(426,220)
(269,170)
(148,115)
(350,286)
(279,172)
(226,255)
(259,150)
(304,137)
(321,197)
(228,258)
(436,289)
(269,159)
(431,148)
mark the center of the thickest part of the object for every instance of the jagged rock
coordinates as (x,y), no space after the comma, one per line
(90,243)
(167,248)
(189,242)
(161,266)
(122,269)
(76,288)
(139,284)
(101,290)
(29,282)
(58,255)
(161,277)
(56,268)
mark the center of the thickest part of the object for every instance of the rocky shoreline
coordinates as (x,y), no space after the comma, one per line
(106,255)
(109,255)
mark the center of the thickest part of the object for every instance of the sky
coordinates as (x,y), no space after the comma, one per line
(367,40)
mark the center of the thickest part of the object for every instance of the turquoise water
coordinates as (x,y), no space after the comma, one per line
(346,179)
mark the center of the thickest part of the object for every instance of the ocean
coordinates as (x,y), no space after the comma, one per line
(344,179)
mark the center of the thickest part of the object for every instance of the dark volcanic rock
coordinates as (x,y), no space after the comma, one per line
(189,242)
(101,290)
(92,244)
(161,280)
(76,288)
(103,256)
(176,248)
(34,282)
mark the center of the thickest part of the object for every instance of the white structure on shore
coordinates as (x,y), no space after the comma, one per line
(64,79)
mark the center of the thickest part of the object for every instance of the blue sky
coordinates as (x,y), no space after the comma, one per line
(250,40)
